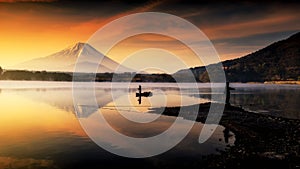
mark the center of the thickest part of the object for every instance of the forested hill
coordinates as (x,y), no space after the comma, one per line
(34,75)
(278,61)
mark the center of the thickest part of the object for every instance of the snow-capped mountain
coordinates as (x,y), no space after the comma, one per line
(66,60)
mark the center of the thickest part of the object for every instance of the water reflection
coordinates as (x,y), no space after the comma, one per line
(278,100)
(32,132)
(38,127)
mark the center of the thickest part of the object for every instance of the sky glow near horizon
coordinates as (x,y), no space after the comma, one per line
(33,29)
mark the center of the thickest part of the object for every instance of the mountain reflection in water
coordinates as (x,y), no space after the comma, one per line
(39,127)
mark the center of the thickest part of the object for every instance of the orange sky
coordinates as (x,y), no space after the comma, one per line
(37,28)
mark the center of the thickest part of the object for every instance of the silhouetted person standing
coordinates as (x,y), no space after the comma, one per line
(228,88)
(139,94)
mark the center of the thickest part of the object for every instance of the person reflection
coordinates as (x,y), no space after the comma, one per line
(226,132)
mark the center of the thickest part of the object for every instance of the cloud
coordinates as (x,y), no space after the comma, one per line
(256,26)
(149,6)
(231,20)
(90,26)
(230,48)
(14,1)
(234,28)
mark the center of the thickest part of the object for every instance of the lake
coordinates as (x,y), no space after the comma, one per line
(277,100)
(39,127)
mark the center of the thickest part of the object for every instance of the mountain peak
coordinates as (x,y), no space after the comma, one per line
(79,45)
(66,59)
(73,50)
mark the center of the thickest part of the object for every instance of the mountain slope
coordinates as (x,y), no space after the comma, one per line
(278,61)
(65,61)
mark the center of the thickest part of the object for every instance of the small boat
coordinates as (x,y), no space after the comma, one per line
(141,94)
(144,94)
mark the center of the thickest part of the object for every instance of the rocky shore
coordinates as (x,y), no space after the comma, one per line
(262,141)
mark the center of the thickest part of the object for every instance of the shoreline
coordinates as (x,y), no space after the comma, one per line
(293,82)
(262,141)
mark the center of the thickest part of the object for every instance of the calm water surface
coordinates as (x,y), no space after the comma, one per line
(277,100)
(39,128)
